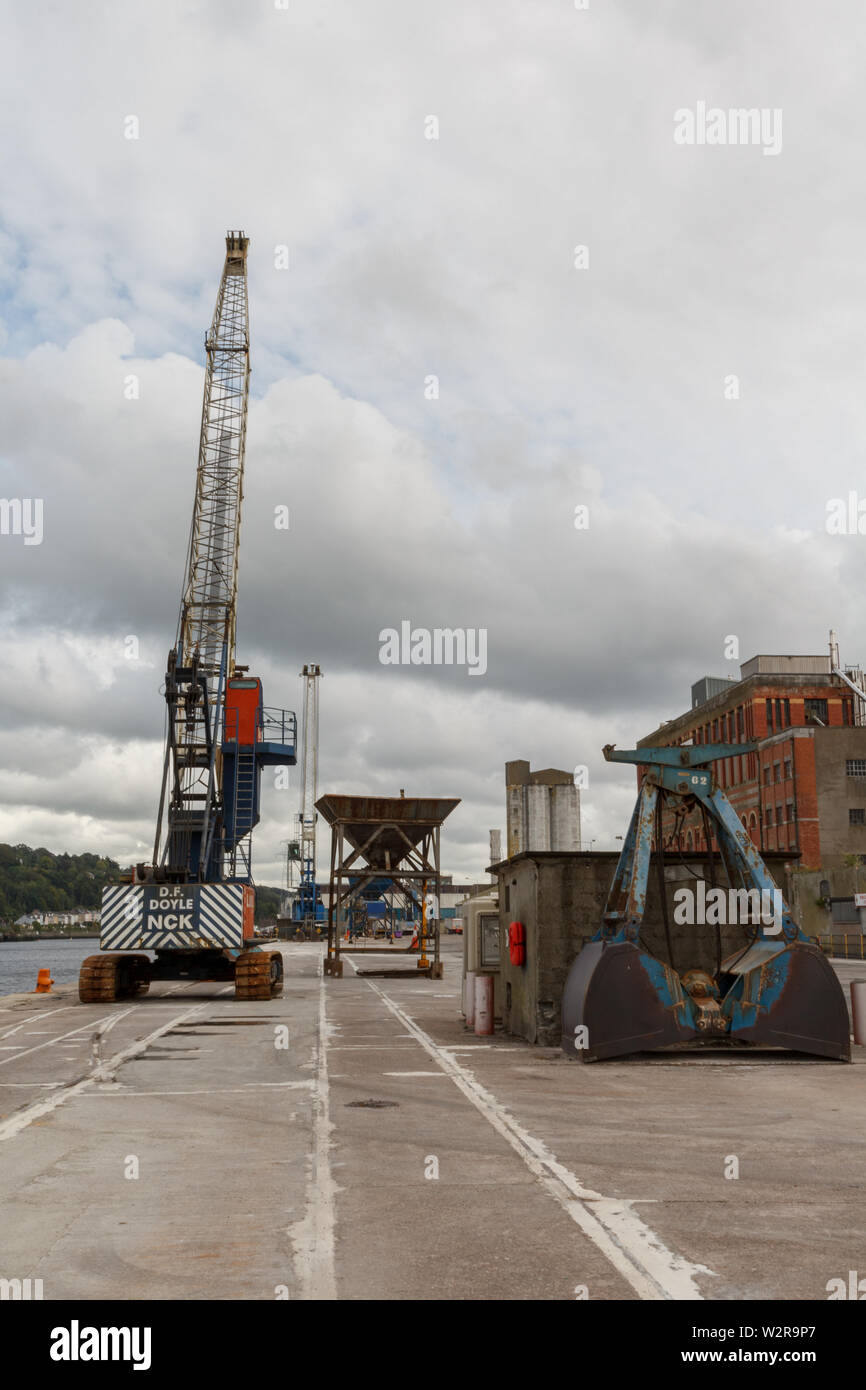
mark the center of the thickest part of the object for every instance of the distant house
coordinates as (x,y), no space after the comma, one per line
(57,919)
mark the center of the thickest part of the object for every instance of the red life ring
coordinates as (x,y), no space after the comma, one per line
(517,943)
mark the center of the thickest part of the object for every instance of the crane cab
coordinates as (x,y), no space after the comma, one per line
(243,710)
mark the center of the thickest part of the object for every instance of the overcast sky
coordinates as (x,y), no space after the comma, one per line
(696,380)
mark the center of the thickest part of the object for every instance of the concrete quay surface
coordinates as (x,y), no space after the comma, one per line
(189,1146)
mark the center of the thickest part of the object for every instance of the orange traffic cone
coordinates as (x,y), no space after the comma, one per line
(44,982)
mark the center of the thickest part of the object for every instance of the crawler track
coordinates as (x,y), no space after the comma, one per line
(259,975)
(111,976)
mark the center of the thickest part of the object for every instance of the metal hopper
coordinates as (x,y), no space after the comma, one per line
(390,839)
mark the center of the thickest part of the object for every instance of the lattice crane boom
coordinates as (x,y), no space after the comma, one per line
(207,618)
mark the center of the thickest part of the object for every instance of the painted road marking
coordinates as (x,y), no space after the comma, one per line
(209,1090)
(45,1013)
(29,1085)
(441,1074)
(102,1072)
(313,1236)
(60,1037)
(635,1250)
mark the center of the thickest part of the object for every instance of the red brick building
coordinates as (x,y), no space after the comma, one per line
(804,789)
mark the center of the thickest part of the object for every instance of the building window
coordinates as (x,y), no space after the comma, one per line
(767,775)
(770,716)
(768,816)
(817,710)
(786,709)
(855,767)
(780,819)
(739,721)
(789,772)
(777,769)
(792,812)
(856,815)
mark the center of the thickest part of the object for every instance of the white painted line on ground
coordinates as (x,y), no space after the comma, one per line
(60,1037)
(29,1085)
(44,1013)
(442,1075)
(654,1271)
(210,1090)
(102,1072)
(313,1236)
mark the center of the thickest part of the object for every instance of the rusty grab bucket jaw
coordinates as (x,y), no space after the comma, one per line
(778,991)
(619,999)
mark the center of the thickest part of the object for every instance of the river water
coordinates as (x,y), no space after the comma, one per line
(21,961)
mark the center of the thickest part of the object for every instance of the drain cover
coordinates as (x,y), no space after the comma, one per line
(371,1104)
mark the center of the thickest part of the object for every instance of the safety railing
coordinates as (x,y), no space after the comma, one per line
(279,726)
(272,726)
(845,946)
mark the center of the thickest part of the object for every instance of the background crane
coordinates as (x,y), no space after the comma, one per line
(308,906)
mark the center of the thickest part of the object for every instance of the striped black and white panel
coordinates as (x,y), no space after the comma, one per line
(221,914)
(220,920)
(120,925)
(162,940)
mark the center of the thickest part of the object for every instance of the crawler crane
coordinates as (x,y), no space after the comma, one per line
(193,905)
